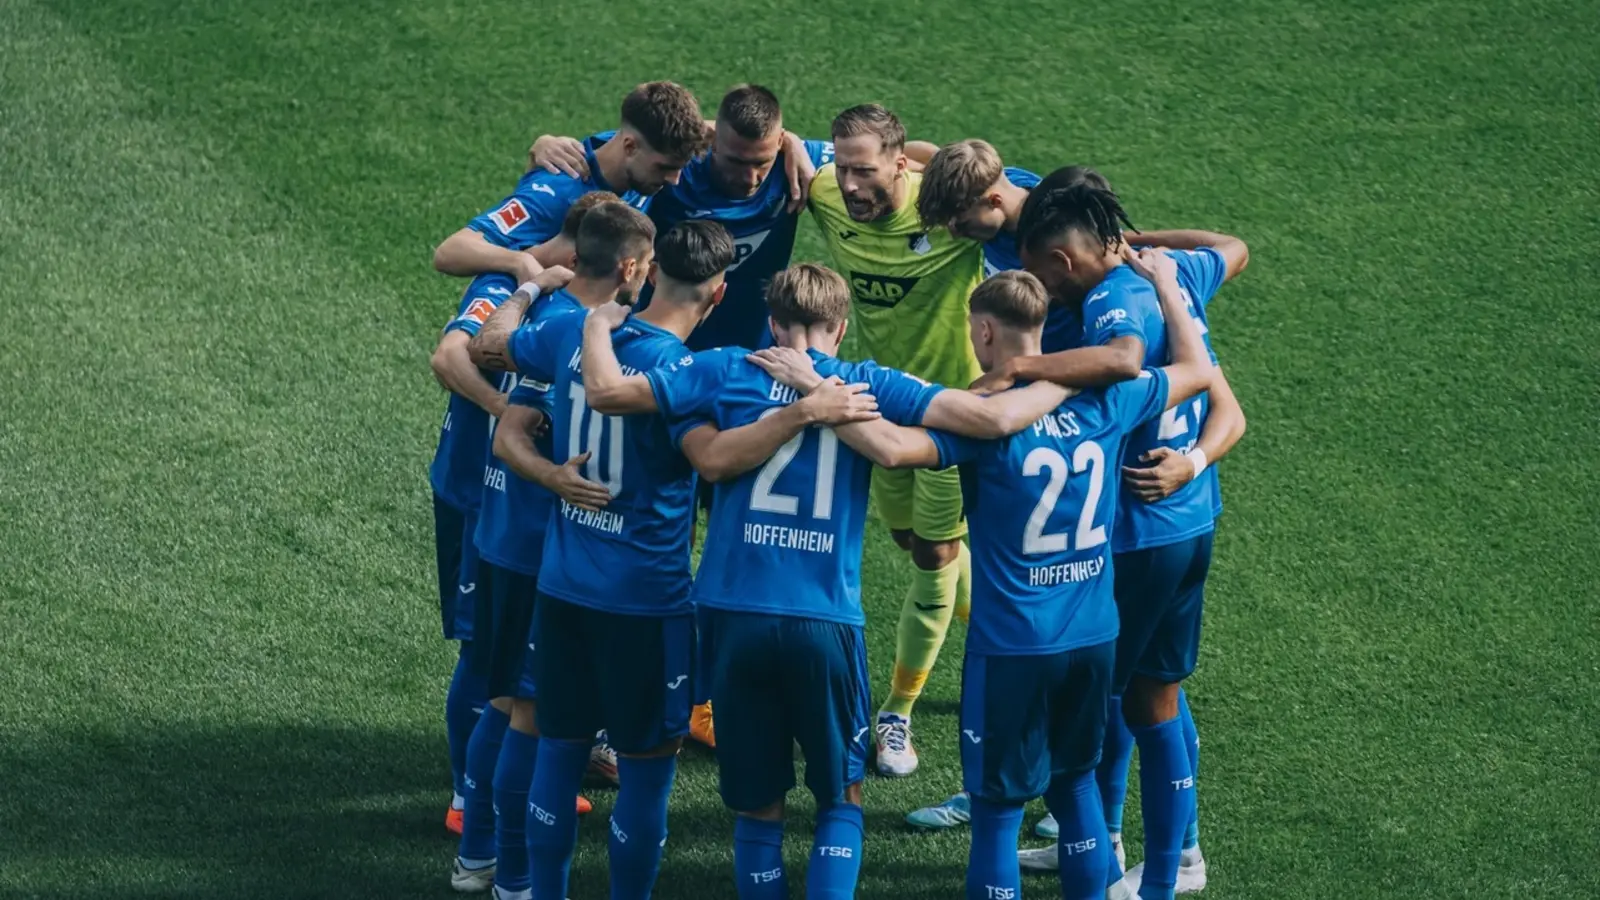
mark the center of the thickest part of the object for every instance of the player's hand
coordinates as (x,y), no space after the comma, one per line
(788,366)
(994,381)
(576,489)
(836,403)
(798,169)
(612,314)
(553,278)
(558,156)
(1152,265)
(1172,470)
(527,268)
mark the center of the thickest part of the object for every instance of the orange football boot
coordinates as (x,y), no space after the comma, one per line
(700,725)
(452,821)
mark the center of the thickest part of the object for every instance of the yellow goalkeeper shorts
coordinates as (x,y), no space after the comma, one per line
(922,501)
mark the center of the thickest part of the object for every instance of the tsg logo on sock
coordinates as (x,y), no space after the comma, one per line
(1001,893)
(538,813)
(1183,784)
(768,876)
(1076,847)
(841,852)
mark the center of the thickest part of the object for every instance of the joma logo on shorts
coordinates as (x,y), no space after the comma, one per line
(880,290)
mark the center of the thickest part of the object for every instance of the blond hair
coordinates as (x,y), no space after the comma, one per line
(808,294)
(957,176)
(1014,298)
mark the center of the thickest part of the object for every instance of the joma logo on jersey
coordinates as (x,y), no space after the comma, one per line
(880,290)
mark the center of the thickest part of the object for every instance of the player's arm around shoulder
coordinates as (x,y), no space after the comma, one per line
(881,440)
(725,455)
(997,415)
(1191,371)
(514,444)
(609,391)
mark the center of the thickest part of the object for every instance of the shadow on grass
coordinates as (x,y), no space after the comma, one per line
(309,811)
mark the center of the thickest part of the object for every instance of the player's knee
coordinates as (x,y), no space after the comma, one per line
(1148,701)
(524,716)
(501,703)
(902,539)
(773,813)
(670,748)
(932,555)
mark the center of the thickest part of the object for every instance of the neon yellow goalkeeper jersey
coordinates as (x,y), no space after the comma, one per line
(909,286)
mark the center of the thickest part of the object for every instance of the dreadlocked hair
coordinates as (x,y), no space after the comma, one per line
(1079,205)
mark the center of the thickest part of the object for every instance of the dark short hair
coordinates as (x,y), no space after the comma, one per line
(1072,198)
(580,207)
(751,111)
(668,117)
(610,233)
(694,251)
(873,119)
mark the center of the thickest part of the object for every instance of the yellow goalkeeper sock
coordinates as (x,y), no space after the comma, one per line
(924,620)
(964,585)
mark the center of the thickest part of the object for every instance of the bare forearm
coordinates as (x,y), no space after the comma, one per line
(513,444)
(467,253)
(890,446)
(725,455)
(1085,367)
(921,151)
(452,365)
(1225,423)
(490,348)
(1233,250)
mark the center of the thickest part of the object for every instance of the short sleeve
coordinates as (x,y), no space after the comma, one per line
(533,347)
(479,302)
(821,152)
(530,216)
(902,398)
(1139,400)
(954,449)
(1201,272)
(529,393)
(678,429)
(1110,313)
(688,388)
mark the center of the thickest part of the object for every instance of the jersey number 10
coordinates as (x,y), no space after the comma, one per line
(581,439)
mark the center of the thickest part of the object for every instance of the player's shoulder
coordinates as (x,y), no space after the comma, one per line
(1021,177)
(825,193)
(540,186)
(651,346)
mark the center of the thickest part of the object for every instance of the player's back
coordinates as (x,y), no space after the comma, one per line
(785,538)
(1131,307)
(633,555)
(1041,504)
(908,285)
(533,213)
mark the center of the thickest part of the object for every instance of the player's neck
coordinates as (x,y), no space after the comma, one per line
(671,316)
(1011,346)
(592,292)
(898,192)
(612,160)
(1011,200)
(822,341)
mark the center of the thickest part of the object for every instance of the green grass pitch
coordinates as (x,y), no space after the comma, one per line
(220,674)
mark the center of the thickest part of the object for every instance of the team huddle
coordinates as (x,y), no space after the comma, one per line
(635,344)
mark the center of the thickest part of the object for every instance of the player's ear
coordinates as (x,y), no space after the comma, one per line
(651,277)
(716,295)
(843,327)
(994,201)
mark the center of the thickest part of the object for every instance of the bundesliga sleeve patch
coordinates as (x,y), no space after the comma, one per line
(509,216)
(478,312)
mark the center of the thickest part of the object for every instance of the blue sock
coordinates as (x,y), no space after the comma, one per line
(1116,755)
(1166,794)
(553,815)
(992,869)
(511,779)
(462,706)
(639,824)
(758,859)
(836,853)
(477,816)
(1084,845)
(1191,740)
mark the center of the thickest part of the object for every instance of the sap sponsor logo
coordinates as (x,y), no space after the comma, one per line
(509,216)
(746,247)
(880,290)
(1110,317)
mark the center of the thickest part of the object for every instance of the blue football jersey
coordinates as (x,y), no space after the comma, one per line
(534,211)
(1063,329)
(786,538)
(457,470)
(515,511)
(763,238)
(1041,504)
(1126,304)
(633,555)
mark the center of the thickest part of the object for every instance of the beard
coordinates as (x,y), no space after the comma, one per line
(869,207)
